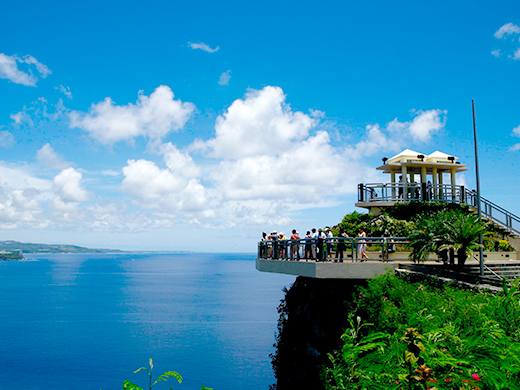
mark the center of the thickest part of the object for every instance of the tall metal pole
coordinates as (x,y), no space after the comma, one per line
(478,185)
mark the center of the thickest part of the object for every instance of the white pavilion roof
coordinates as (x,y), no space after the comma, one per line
(440,161)
(405,155)
(439,157)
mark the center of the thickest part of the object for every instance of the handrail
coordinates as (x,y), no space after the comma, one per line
(493,272)
(324,249)
(489,207)
(426,192)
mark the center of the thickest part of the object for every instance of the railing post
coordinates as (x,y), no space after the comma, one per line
(424,193)
(360,193)
(462,194)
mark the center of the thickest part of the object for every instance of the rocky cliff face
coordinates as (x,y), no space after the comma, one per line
(313,316)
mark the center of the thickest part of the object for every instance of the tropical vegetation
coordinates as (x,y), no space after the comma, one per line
(449,230)
(405,336)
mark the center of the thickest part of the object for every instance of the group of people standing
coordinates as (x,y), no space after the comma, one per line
(318,245)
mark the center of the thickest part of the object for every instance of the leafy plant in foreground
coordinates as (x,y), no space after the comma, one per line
(127,385)
(426,336)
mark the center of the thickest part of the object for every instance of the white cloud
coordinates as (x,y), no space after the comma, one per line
(47,156)
(507,29)
(6,139)
(68,188)
(22,117)
(16,177)
(9,69)
(516,55)
(65,91)
(22,196)
(397,134)
(426,123)
(496,53)
(151,117)
(203,46)
(515,133)
(180,162)
(167,191)
(224,78)
(260,124)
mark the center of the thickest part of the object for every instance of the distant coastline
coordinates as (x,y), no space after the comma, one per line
(9,248)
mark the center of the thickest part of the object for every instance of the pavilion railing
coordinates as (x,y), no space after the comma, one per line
(328,249)
(407,192)
(427,192)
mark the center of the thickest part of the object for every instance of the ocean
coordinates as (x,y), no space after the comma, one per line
(86,322)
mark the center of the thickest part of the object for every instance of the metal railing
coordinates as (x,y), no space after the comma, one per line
(335,249)
(427,192)
(409,192)
(495,213)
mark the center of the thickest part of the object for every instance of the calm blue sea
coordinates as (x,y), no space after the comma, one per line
(86,322)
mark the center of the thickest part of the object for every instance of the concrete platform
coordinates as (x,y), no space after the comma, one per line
(327,270)
(362,270)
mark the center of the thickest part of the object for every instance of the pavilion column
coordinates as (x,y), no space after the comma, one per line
(435,188)
(452,173)
(405,189)
(440,186)
(392,178)
(423,185)
(423,174)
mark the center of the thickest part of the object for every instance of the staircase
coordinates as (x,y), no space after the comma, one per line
(494,274)
(507,270)
(494,213)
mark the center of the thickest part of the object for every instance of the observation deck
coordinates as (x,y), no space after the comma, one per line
(303,258)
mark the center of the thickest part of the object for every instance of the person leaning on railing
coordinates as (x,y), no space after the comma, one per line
(341,247)
(295,254)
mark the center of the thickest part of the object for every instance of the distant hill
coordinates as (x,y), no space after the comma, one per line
(15,246)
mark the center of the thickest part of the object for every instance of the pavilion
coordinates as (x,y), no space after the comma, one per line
(409,165)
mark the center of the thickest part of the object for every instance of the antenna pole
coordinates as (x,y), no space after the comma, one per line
(478,186)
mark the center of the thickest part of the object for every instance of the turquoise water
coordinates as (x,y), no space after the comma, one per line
(88,321)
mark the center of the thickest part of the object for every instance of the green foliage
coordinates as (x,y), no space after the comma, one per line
(127,385)
(354,221)
(411,211)
(423,336)
(455,230)
(394,227)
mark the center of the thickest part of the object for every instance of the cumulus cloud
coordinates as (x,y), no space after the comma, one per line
(274,160)
(9,69)
(224,78)
(202,46)
(152,116)
(507,29)
(48,157)
(164,189)
(22,196)
(395,134)
(260,124)
(426,123)
(496,53)
(67,187)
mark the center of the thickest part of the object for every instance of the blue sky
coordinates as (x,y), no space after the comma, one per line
(197,125)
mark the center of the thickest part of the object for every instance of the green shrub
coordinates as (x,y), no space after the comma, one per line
(422,336)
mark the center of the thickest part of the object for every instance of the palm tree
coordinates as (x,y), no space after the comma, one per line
(447,232)
(464,230)
(429,236)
